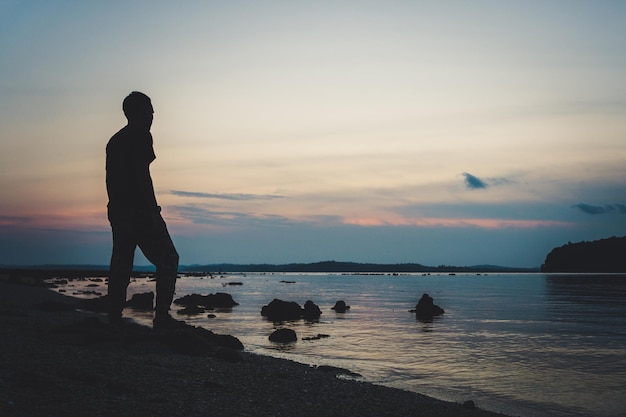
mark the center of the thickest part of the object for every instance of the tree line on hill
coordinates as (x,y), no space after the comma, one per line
(605,255)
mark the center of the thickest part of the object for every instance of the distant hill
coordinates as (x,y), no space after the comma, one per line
(325,266)
(606,255)
(347,267)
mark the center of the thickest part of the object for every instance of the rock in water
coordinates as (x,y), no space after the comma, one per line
(340,307)
(283,336)
(279,310)
(143,301)
(311,311)
(217,300)
(426,308)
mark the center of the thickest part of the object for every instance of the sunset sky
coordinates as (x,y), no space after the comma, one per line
(436,132)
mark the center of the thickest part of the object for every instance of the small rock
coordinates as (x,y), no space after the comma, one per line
(217,300)
(142,301)
(469,405)
(311,311)
(279,310)
(340,307)
(283,336)
(318,337)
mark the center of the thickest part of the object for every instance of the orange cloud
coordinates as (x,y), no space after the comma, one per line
(77,219)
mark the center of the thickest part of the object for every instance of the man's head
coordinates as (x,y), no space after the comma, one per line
(138,109)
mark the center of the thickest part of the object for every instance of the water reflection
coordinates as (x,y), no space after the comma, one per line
(585,289)
(599,299)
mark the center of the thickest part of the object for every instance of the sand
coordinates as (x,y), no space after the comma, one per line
(57,360)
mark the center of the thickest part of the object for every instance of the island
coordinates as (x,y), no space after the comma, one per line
(600,256)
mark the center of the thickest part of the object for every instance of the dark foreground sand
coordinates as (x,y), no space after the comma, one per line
(59,361)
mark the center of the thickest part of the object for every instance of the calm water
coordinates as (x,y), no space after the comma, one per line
(522,344)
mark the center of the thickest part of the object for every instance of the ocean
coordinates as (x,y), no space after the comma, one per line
(525,345)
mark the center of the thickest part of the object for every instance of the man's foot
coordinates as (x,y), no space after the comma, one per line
(165,321)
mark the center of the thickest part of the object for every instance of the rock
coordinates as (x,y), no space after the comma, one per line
(217,300)
(469,405)
(426,309)
(279,310)
(143,301)
(340,307)
(226,341)
(337,371)
(283,336)
(311,311)
(88,293)
(318,337)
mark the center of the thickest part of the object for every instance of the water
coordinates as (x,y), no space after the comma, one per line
(522,344)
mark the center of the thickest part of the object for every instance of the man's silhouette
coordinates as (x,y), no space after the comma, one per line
(134,214)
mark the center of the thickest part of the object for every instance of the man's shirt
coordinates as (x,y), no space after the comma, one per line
(129,185)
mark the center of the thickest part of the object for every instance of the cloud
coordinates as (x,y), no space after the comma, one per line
(14,220)
(608,208)
(235,197)
(201,215)
(473,182)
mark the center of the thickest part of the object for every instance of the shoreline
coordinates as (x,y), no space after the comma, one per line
(47,370)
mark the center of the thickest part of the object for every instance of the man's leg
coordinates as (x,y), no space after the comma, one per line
(120,269)
(156,244)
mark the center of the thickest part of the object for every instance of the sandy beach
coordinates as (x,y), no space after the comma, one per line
(59,360)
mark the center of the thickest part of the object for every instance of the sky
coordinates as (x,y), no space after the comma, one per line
(435,132)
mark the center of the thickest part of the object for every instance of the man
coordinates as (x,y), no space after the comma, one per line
(134,214)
